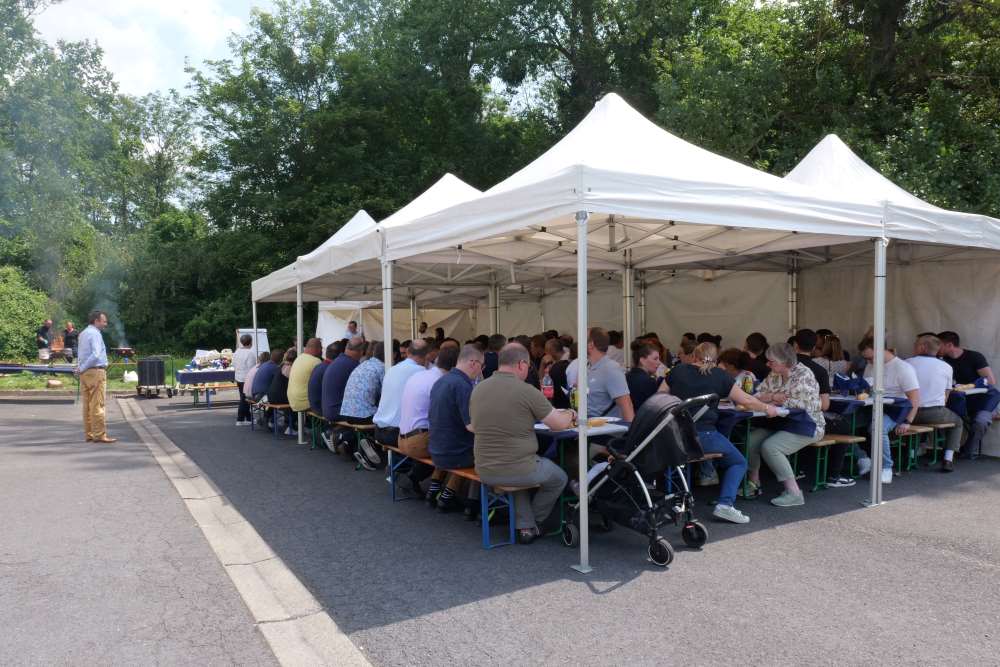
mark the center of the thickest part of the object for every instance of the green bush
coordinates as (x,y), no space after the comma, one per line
(22,311)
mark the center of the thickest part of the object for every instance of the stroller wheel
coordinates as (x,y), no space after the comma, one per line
(570,535)
(661,552)
(694,534)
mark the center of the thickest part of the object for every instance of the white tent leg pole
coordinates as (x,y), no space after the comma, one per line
(628,306)
(387,313)
(541,311)
(642,307)
(582,385)
(793,298)
(494,306)
(298,348)
(413,316)
(879,389)
(253,309)
(475,318)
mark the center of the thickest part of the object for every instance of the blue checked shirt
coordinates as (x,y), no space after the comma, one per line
(92,353)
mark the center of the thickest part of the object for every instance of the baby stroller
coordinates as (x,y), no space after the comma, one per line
(629,490)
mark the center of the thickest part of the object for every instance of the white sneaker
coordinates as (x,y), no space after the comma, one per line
(326,440)
(887,475)
(291,431)
(864,466)
(730,513)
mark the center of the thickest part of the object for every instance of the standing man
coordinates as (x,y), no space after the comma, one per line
(92,369)
(243,362)
(352,330)
(42,339)
(422,331)
(70,341)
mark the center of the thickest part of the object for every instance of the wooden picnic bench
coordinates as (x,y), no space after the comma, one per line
(491,498)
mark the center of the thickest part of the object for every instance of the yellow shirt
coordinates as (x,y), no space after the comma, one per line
(298,381)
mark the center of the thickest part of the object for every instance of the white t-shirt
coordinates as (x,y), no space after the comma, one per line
(617,355)
(900,377)
(935,377)
(243,360)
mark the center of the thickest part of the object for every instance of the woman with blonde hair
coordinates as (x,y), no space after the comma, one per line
(701,376)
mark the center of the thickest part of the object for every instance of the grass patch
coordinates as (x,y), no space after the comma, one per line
(28,380)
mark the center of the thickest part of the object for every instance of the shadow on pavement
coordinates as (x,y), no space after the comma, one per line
(374,563)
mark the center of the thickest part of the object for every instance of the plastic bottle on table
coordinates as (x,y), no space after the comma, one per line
(548,389)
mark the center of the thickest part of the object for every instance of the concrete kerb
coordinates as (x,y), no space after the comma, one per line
(294,623)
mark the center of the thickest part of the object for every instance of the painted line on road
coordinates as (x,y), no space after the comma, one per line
(297,628)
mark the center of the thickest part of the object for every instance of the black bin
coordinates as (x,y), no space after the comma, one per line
(152,372)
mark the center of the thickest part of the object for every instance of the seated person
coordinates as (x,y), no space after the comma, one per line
(791,385)
(936,378)
(364,387)
(616,349)
(702,377)
(301,372)
(335,380)
(557,371)
(504,410)
(262,378)
(387,416)
(316,379)
(641,377)
(756,346)
(277,392)
(831,357)
(804,344)
(262,359)
(736,363)
(969,366)
(608,390)
(900,380)
(414,421)
(451,441)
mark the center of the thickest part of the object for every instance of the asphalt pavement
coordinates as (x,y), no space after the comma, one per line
(831,582)
(100,561)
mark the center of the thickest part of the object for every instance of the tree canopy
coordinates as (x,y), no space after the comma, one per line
(162,209)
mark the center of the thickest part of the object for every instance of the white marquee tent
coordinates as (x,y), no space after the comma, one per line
(618,193)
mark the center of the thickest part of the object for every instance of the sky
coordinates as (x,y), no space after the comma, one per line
(146,42)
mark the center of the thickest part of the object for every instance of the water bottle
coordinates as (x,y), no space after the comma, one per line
(548,389)
(573,401)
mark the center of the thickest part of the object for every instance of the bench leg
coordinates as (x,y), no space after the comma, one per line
(487,500)
(511,517)
(484,514)
(822,466)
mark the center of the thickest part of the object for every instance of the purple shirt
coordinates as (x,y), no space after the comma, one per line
(417,400)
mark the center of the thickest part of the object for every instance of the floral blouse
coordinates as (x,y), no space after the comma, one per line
(802,391)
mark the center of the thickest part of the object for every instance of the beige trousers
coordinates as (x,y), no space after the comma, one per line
(92,385)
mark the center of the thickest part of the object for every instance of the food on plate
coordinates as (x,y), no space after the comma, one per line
(596,421)
(863,396)
(965,387)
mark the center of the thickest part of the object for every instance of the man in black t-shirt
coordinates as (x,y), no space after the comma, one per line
(805,343)
(756,346)
(969,366)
